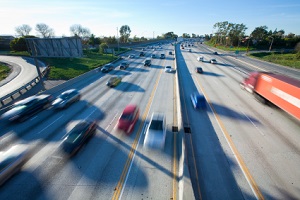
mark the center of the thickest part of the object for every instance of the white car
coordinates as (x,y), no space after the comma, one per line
(169,69)
(131,56)
(213,61)
(156,132)
(66,98)
(200,58)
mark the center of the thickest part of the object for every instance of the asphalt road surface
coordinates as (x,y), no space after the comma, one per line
(237,148)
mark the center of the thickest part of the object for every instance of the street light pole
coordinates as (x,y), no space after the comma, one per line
(271,43)
(248,43)
(118,39)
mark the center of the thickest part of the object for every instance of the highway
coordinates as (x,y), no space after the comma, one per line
(236,148)
(100,169)
(241,148)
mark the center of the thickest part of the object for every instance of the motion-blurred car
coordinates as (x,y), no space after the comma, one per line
(66,98)
(124,65)
(79,135)
(107,68)
(153,56)
(198,100)
(213,61)
(12,160)
(131,56)
(162,56)
(156,132)
(199,70)
(113,81)
(147,62)
(26,108)
(128,118)
(200,58)
(169,69)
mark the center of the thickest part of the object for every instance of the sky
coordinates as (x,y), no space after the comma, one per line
(148,18)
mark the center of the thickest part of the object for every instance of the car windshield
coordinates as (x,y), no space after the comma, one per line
(20,107)
(73,137)
(64,96)
(7,161)
(127,117)
(156,125)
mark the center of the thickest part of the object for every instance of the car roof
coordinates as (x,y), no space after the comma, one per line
(157,116)
(24,101)
(69,91)
(129,108)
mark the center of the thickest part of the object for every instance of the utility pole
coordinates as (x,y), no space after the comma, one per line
(270,48)
(118,39)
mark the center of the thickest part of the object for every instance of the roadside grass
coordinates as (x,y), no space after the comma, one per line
(230,48)
(4,71)
(68,68)
(290,59)
(285,59)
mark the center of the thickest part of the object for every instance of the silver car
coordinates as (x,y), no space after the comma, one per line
(156,132)
(66,98)
(12,160)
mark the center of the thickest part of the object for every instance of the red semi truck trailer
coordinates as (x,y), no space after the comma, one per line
(278,89)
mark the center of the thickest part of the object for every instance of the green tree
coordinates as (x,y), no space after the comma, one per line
(222,33)
(102,47)
(170,35)
(125,33)
(186,35)
(19,44)
(110,40)
(236,33)
(259,34)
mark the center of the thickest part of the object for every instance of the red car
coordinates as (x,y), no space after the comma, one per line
(128,118)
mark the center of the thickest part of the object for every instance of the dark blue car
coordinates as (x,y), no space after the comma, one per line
(198,100)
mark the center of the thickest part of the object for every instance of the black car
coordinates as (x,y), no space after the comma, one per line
(107,68)
(79,135)
(124,65)
(216,53)
(142,53)
(147,63)
(199,70)
(162,56)
(26,108)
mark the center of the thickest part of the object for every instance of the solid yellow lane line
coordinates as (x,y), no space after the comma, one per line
(125,171)
(250,179)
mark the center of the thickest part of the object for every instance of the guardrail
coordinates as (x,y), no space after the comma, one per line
(22,90)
